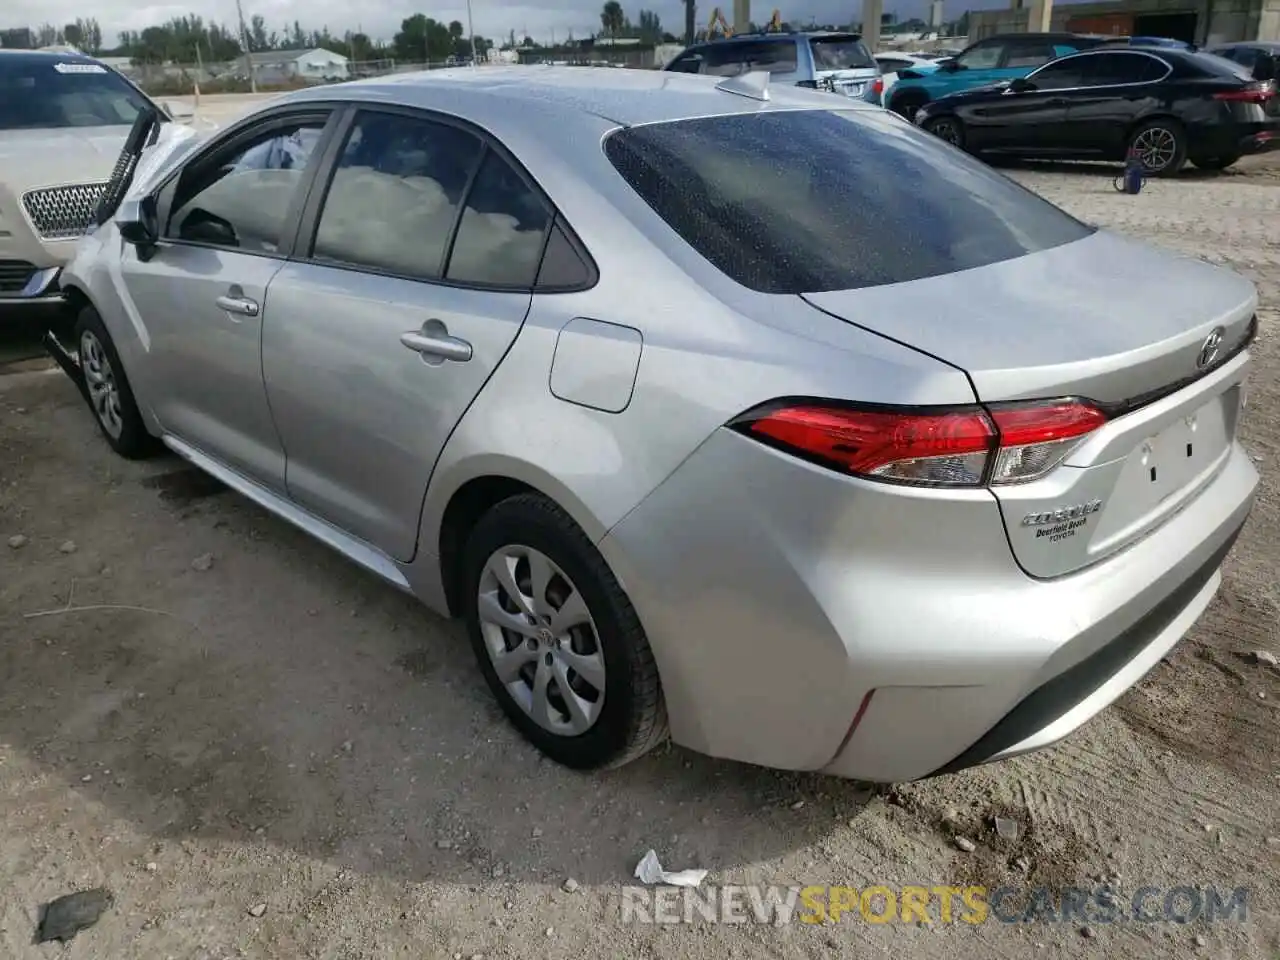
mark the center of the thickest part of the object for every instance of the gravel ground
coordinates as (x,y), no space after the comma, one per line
(265,753)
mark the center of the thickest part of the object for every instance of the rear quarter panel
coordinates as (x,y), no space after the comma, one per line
(710,350)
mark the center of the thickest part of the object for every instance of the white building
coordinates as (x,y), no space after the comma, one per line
(317,64)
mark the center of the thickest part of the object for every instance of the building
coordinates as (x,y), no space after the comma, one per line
(273,66)
(1202,22)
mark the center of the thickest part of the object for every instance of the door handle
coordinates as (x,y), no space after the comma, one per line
(241,305)
(435,344)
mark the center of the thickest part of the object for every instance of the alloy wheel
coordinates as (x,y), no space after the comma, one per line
(1156,148)
(100,378)
(947,130)
(541,640)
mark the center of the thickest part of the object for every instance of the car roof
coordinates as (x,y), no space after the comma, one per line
(36,56)
(511,96)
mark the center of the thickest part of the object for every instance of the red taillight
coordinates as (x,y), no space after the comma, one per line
(877,86)
(1255,94)
(966,447)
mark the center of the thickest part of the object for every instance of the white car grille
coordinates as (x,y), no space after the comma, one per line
(62,213)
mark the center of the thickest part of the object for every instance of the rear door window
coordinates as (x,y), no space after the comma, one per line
(1120,68)
(395,195)
(502,230)
(807,201)
(840,53)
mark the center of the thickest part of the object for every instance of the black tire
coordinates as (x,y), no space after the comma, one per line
(632,718)
(1215,163)
(131,440)
(947,128)
(1161,145)
(907,103)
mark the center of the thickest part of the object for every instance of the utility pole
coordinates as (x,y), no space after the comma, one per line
(690,26)
(471,31)
(248,57)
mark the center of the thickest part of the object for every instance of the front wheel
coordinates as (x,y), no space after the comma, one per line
(107,389)
(1161,146)
(906,104)
(1215,163)
(946,128)
(557,639)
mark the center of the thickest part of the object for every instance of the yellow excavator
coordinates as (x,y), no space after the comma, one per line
(719,26)
(718,21)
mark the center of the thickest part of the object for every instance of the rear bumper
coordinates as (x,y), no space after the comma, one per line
(783,600)
(1261,141)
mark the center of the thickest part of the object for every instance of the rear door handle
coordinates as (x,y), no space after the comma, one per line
(241,305)
(435,344)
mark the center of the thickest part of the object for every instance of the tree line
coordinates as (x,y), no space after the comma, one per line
(191,38)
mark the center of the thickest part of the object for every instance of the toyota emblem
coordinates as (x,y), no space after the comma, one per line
(1210,348)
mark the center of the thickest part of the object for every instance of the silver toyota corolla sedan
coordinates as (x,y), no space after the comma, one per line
(751,415)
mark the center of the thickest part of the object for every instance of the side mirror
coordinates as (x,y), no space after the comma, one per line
(178,112)
(200,226)
(139,223)
(950,66)
(1021,85)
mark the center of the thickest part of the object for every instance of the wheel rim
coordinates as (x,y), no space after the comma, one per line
(100,378)
(948,131)
(541,640)
(1156,147)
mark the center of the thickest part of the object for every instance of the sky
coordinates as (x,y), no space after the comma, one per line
(544,20)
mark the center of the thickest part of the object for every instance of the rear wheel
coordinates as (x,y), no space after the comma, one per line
(557,639)
(1215,163)
(1161,146)
(947,128)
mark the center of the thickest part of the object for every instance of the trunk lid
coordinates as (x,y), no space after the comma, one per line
(842,63)
(1107,320)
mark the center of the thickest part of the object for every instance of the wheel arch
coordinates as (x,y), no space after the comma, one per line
(448,517)
(1158,114)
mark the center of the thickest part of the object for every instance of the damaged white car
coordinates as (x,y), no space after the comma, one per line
(64,118)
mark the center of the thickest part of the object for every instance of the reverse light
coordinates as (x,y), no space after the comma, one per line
(964,447)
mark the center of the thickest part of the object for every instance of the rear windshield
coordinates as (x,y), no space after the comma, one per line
(39,93)
(840,53)
(814,200)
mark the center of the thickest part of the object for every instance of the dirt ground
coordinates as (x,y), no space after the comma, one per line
(265,753)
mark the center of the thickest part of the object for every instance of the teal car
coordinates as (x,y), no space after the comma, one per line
(993,59)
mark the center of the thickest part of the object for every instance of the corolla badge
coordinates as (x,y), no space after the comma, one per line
(1073,512)
(1210,349)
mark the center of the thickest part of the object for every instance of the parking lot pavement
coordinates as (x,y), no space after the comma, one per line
(264,752)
